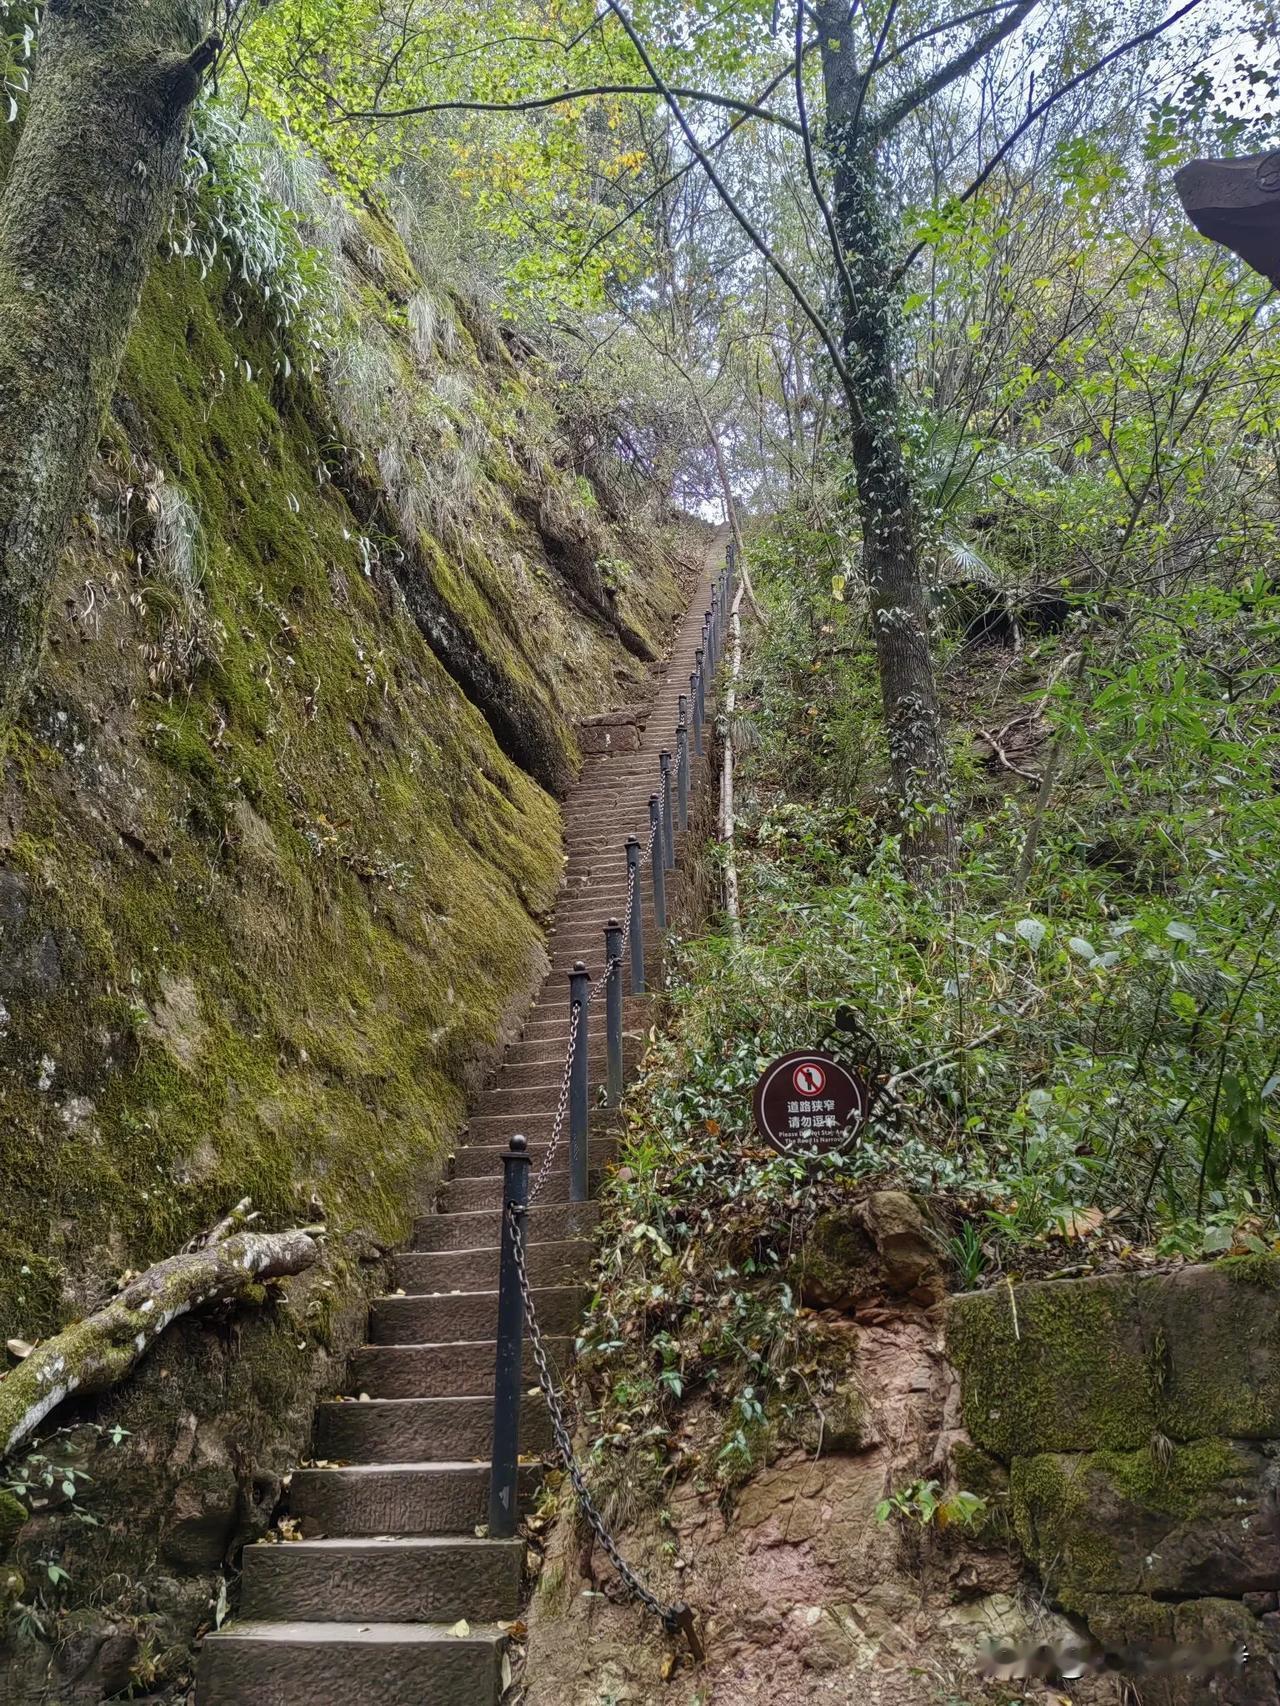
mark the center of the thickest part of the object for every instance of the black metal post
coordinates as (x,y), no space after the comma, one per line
(635,948)
(713,623)
(504,1470)
(579,1089)
(682,767)
(701,715)
(668,826)
(697,720)
(613,1007)
(659,877)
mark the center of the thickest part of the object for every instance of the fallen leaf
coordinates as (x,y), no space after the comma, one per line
(461,1627)
(1079,1222)
(18,1348)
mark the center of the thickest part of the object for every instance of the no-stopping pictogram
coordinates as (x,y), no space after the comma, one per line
(809,1078)
(809,1103)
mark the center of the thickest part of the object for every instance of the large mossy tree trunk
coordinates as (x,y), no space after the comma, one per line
(891,556)
(80,216)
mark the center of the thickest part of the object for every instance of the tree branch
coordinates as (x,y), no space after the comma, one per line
(1038,111)
(944,28)
(806,307)
(92,1355)
(536,103)
(810,165)
(683,171)
(946,74)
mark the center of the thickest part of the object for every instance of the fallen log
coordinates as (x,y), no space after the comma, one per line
(96,1353)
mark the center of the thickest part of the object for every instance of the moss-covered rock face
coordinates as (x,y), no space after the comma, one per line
(271,895)
(1190,1520)
(1138,1420)
(1107,1362)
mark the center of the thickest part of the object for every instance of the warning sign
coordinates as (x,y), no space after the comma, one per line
(808,1103)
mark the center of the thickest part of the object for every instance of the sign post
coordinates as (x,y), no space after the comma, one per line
(808,1104)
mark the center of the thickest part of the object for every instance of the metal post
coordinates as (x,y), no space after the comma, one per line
(659,877)
(635,948)
(702,696)
(613,1007)
(579,980)
(504,1470)
(682,767)
(713,623)
(668,826)
(697,719)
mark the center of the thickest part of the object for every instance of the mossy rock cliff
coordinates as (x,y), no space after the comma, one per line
(274,874)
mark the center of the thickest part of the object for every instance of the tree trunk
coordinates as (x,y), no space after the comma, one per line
(87,194)
(891,558)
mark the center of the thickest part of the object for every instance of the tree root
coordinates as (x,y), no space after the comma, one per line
(98,1352)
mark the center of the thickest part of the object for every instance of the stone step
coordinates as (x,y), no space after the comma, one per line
(466,1195)
(467,1315)
(354,1664)
(552,1018)
(559,1263)
(427,1579)
(498,1126)
(548,1065)
(548,1222)
(418,1430)
(400,1498)
(429,1371)
(484,1160)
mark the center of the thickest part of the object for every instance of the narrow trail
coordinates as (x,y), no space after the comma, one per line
(373,1613)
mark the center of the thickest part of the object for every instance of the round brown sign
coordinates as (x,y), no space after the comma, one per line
(808,1103)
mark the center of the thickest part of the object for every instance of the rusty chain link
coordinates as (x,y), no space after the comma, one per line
(676,1618)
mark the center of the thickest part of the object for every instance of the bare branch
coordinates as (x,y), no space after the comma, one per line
(806,307)
(1038,111)
(945,75)
(536,103)
(944,28)
(683,171)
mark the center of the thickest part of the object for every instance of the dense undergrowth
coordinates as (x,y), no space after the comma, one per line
(1074,1042)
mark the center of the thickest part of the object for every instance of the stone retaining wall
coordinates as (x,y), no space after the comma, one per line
(1134,1423)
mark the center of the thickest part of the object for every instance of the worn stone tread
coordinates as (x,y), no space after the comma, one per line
(383,1579)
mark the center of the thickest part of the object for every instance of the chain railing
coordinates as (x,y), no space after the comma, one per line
(517,1307)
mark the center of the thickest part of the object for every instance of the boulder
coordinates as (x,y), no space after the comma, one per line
(864,1249)
(1180,1521)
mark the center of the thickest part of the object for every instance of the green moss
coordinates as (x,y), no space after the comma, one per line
(1099,1522)
(1108,1362)
(1262,1271)
(13,1514)
(324,844)
(1173,1484)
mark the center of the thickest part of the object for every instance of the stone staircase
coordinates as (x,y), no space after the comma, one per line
(371,1606)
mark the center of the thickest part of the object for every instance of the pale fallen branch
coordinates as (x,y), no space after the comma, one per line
(993,740)
(98,1352)
(891,1084)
